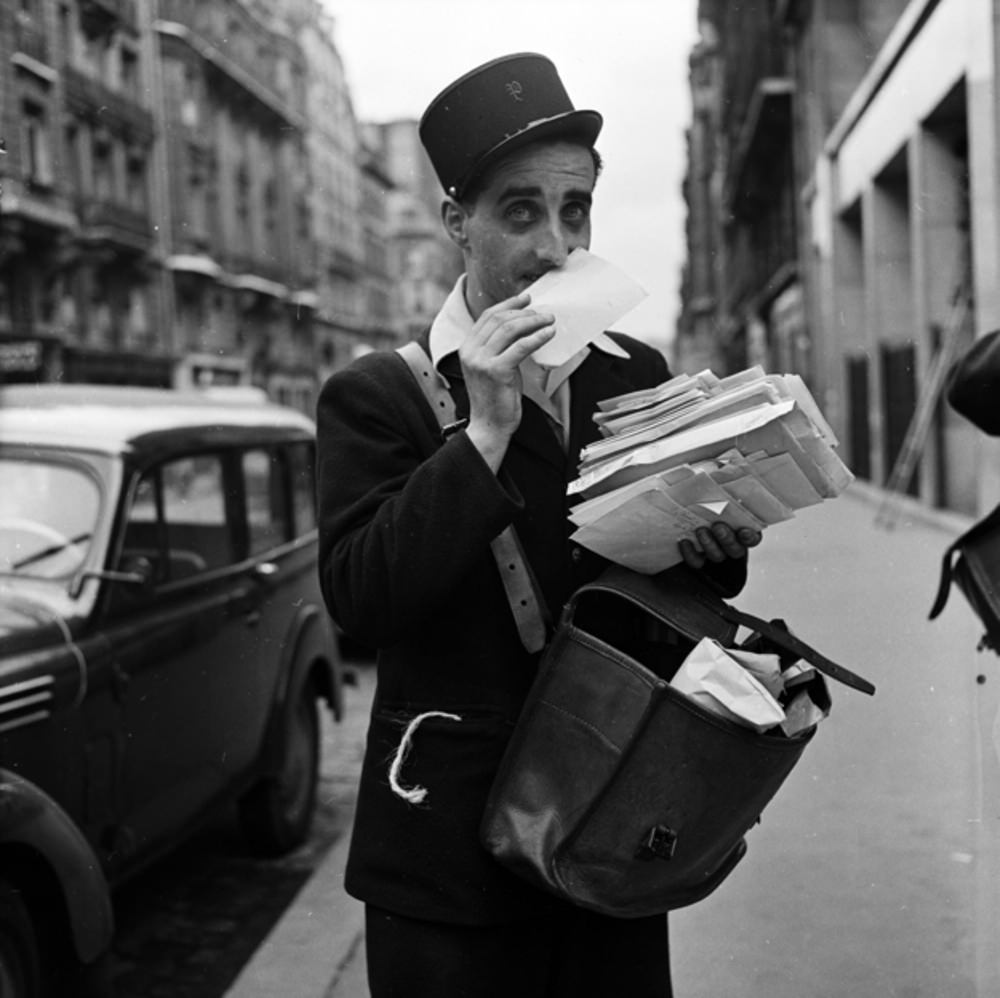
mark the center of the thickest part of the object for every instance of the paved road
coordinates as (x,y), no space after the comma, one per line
(874,871)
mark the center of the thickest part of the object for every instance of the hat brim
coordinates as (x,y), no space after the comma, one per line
(576,126)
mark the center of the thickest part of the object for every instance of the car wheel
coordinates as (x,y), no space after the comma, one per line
(277,813)
(20,961)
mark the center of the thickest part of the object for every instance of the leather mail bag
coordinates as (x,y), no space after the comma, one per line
(619,793)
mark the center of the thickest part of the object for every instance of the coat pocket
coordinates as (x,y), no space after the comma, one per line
(452,750)
(422,855)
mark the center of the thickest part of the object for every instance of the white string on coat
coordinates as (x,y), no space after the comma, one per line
(418,794)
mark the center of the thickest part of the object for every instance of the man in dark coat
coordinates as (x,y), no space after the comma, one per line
(406,522)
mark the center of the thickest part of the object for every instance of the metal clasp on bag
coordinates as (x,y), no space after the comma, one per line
(659,843)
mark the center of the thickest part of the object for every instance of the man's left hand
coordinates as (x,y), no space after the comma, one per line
(718,543)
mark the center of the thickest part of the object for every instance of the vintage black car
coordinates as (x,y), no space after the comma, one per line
(163,648)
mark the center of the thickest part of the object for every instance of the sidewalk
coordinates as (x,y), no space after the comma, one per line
(862,878)
(317,949)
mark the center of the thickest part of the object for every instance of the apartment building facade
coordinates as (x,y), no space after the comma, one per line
(186,198)
(79,294)
(866,251)
(425,262)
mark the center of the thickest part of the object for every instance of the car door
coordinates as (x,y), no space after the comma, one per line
(269,603)
(180,647)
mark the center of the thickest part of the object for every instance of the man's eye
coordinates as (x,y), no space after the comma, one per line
(576,212)
(521,212)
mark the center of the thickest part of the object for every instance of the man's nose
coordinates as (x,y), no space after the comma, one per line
(553,246)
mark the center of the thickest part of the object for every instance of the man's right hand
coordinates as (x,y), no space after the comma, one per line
(503,336)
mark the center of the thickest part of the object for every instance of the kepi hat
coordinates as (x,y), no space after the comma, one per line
(497,108)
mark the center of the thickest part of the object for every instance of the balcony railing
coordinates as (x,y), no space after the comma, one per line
(249,263)
(86,95)
(340,261)
(30,40)
(110,221)
(233,43)
(100,16)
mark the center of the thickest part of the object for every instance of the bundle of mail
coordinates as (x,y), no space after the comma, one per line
(749,449)
(752,689)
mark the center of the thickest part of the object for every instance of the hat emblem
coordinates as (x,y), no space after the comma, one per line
(515,90)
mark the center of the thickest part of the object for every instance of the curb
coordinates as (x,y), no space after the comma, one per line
(314,941)
(906,507)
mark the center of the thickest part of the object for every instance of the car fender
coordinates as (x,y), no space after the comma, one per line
(31,819)
(310,642)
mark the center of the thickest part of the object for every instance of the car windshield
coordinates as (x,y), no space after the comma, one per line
(48,515)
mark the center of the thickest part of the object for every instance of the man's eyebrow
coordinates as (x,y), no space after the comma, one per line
(519,192)
(511,193)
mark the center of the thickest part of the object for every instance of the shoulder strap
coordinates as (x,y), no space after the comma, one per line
(433,385)
(515,574)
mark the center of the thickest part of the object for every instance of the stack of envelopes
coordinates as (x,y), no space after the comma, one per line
(749,449)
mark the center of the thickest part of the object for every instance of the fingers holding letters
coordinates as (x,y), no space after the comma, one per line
(504,336)
(718,543)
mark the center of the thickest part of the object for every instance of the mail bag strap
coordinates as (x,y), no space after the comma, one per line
(689,607)
(522,593)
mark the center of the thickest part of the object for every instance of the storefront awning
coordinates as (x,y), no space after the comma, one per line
(304,299)
(194,263)
(259,285)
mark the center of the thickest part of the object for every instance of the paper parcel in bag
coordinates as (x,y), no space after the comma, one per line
(712,678)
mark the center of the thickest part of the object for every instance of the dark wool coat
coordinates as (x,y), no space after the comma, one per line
(974,388)
(406,567)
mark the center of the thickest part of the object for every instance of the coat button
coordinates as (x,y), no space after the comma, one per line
(576,553)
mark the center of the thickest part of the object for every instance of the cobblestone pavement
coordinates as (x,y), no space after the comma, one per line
(188,924)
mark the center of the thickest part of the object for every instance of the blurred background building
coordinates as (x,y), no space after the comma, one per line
(836,151)
(187,198)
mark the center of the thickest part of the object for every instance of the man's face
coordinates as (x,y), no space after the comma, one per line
(533,211)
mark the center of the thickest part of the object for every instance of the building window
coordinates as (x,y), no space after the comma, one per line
(303,216)
(67,33)
(243,207)
(94,56)
(212,214)
(37,145)
(137,192)
(190,109)
(129,70)
(195,196)
(138,318)
(103,175)
(72,158)
(270,213)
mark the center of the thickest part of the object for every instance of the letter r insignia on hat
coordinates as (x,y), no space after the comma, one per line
(515,90)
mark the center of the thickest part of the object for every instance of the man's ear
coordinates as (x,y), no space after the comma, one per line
(455,219)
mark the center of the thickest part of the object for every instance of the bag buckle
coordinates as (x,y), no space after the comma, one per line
(658,843)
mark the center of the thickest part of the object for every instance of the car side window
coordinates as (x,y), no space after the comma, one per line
(268,520)
(301,463)
(178,518)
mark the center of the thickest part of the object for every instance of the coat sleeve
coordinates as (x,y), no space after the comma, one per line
(975,384)
(402,520)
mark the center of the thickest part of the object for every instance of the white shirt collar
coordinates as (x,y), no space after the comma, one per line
(454,322)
